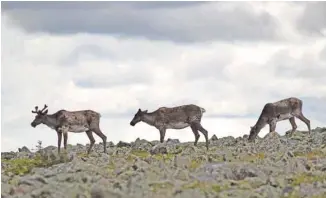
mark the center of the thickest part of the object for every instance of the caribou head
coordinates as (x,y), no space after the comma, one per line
(138,117)
(40,115)
(253,133)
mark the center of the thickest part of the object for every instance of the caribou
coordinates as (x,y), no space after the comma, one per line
(272,113)
(70,121)
(178,117)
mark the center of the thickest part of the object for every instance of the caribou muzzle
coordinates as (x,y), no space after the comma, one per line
(33,124)
(132,123)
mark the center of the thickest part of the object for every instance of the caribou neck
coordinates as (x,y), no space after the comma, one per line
(149,118)
(50,121)
(261,122)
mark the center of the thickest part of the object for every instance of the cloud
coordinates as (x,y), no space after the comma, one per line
(322,55)
(313,19)
(173,21)
(117,75)
(96,5)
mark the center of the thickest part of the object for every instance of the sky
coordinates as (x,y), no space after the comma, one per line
(230,58)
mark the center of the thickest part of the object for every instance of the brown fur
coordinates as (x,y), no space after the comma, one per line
(272,113)
(71,121)
(178,117)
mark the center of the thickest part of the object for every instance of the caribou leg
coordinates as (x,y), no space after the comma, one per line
(98,132)
(162,134)
(200,128)
(65,138)
(294,126)
(91,139)
(59,133)
(194,130)
(305,120)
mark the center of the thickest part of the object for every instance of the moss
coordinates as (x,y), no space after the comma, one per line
(323,195)
(82,154)
(164,157)
(24,165)
(160,185)
(140,154)
(253,158)
(13,181)
(194,164)
(217,188)
(291,195)
(242,184)
(206,187)
(299,153)
(307,178)
(310,155)
(111,167)
(260,155)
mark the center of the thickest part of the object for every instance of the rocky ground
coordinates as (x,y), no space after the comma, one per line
(273,166)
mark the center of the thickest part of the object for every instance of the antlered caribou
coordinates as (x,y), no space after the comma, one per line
(71,121)
(178,117)
(272,113)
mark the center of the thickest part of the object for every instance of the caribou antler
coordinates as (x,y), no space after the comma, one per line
(39,111)
(45,106)
(36,110)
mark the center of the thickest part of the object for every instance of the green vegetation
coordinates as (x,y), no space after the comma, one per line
(194,164)
(22,166)
(25,165)
(82,154)
(296,194)
(131,158)
(307,178)
(316,153)
(140,153)
(111,167)
(291,195)
(155,187)
(164,157)
(253,158)
(205,187)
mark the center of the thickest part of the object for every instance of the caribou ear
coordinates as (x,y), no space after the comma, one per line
(45,112)
(139,110)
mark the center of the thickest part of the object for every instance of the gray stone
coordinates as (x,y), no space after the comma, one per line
(24,149)
(271,166)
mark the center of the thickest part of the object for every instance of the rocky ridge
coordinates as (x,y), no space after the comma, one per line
(272,166)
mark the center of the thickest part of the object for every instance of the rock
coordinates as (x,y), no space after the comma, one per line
(181,175)
(189,150)
(8,155)
(172,141)
(271,143)
(143,145)
(24,149)
(319,130)
(273,166)
(155,142)
(159,149)
(164,148)
(50,148)
(182,161)
(228,141)
(110,144)
(214,138)
(123,144)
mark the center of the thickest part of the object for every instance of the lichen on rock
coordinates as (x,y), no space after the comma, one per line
(272,166)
